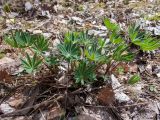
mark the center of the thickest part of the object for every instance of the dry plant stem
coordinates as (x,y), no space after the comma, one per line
(108,67)
(21,111)
(132,105)
(67,86)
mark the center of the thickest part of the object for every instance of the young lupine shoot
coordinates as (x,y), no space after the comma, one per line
(19,39)
(94,55)
(84,73)
(111,26)
(41,44)
(134,79)
(51,60)
(31,64)
(71,37)
(121,54)
(11,41)
(142,39)
(69,51)
(115,38)
(85,39)
(84,53)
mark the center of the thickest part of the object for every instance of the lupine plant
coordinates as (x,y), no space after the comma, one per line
(83,53)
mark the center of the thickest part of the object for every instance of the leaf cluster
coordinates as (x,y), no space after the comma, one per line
(83,53)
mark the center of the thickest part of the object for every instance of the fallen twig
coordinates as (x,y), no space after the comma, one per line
(21,111)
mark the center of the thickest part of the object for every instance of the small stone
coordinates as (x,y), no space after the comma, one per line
(46,14)
(15,103)
(133,68)
(115,82)
(5,108)
(157,31)
(37,32)
(158,75)
(77,19)
(28,6)
(47,35)
(121,97)
(149,68)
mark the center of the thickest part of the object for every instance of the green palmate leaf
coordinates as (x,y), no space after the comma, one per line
(84,73)
(134,79)
(95,55)
(41,44)
(10,41)
(149,44)
(142,39)
(19,39)
(101,43)
(111,26)
(69,51)
(71,37)
(7,7)
(85,39)
(51,60)
(31,64)
(135,34)
(121,54)
(116,38)
(24,39)
(127,57)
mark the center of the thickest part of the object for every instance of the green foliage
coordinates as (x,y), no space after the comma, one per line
(94,54)
(69,51)
(41,44)
(84,39)
(121,53)
(142,39)
(83,53)
(1,55)
(51,60)
(115,38)
(134,79)
(155,17)
(36,44)
(84,73)
(31,64)
(20,39)
(111,26)
(7,7)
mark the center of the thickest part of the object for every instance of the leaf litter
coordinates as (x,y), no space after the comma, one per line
(46,100)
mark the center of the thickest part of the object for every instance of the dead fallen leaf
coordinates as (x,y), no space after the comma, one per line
(120,68)
(4,76)
(6,60)
(106,95)
(133,67)
(55,113)
(16,103)
(10,65)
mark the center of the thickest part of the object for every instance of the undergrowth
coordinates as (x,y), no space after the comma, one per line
(84,54)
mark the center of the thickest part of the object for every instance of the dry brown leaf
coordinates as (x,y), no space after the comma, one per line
(133,67)
(55,113)
(121,65)
(106,95)
(4,76)
(16,103)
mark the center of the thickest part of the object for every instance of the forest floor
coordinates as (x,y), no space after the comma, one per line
(22,98)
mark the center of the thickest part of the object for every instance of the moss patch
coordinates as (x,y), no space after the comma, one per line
(155,17)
